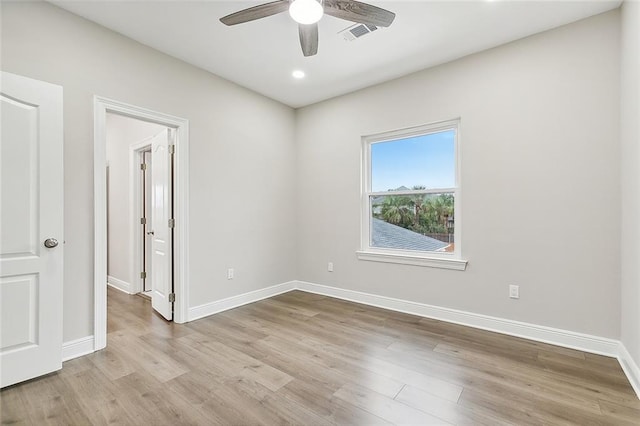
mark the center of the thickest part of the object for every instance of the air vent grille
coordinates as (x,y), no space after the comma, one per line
(356,31)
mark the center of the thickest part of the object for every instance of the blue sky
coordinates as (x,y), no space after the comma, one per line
(426,160)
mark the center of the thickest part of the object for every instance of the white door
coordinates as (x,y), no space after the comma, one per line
(31,224)
(161,212)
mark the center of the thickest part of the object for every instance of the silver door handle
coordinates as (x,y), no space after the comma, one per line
(50,243)
(150,233)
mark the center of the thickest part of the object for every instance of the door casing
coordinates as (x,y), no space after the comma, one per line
(136,157)
(181,208)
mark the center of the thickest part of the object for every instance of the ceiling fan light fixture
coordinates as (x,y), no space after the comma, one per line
(306,11)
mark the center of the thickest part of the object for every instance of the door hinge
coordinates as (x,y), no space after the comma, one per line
(172,297)
(143,275)
(143,221)
(143,166)
(172,223)
(172,149)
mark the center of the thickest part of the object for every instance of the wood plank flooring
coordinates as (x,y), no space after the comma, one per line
(305,359)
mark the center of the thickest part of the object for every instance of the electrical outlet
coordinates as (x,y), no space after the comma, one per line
(230,273)
(330,267)
(514,291)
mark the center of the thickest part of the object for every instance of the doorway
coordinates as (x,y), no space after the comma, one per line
(164,235)
(129,226)
(140,209)
(152,222)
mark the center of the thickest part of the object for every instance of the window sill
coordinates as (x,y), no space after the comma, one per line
(403,259)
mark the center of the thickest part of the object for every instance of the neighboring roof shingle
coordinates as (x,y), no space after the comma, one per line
(391,236)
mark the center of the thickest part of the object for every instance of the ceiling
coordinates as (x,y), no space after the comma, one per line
(262,54)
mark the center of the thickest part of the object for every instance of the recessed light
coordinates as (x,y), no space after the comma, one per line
(298,74)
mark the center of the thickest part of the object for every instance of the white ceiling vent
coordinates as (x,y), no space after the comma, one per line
(356,31)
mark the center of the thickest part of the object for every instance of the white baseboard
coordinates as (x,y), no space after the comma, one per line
(630,368)
(119,284)
(239,300)
(554,336)
(77,348)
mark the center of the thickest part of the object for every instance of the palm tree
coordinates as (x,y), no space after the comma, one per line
(434,212)
(444,203)
(429,217)
(396,210)
(417,201)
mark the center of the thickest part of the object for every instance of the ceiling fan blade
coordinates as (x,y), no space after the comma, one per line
(308,39)
(256,12)
(356,11)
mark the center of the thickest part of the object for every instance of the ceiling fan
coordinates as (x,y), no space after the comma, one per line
(307,13)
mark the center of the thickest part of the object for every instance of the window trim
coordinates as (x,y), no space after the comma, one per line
(444,260)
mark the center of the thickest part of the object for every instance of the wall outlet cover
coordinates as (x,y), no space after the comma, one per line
(514,292)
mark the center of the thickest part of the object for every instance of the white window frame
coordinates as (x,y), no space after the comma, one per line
(446,260)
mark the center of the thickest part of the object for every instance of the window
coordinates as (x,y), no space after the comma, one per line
(411,197)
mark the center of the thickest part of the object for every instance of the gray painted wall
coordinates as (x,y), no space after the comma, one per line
(630,138)
(540,180)
(241,144)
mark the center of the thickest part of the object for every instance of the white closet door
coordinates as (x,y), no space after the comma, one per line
(161,245)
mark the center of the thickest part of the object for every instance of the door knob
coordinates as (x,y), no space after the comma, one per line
(50,243)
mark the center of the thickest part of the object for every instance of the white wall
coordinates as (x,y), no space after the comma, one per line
(122,133)
(540,180)
(241,153)
(630,137)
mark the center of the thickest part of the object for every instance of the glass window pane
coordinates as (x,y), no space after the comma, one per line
(426,161)
(421,222)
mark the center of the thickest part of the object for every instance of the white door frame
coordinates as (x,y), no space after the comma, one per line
(181,211)
(137,239)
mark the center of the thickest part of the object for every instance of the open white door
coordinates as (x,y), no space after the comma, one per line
(161,215)
(31,219)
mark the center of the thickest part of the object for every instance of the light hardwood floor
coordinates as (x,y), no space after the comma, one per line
(304,359)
